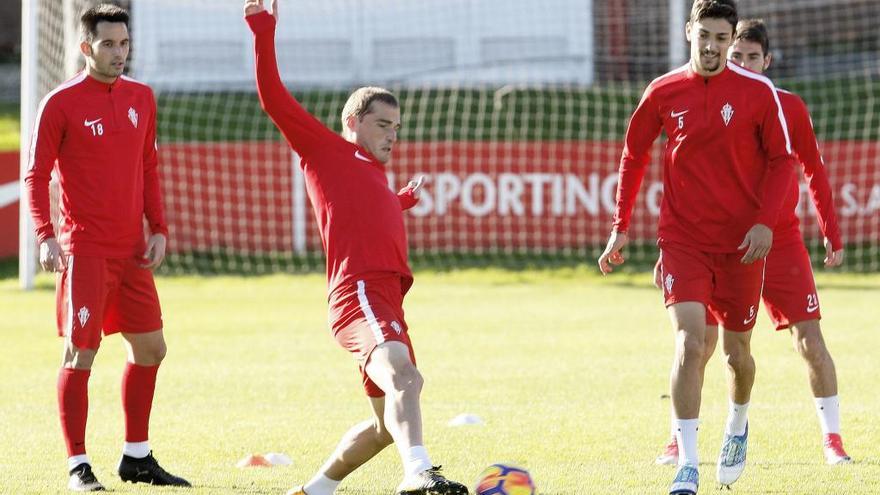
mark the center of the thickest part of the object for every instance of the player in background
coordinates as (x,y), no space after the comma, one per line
(727,167)
(362,231)
(100,127)
(789,288)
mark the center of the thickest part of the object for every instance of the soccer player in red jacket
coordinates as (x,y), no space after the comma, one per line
(362,232)
(97,132)
(727,167)
(789,288)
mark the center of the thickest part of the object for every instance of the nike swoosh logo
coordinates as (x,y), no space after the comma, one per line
(679,114)
(812,309)
(89,123)
(359,156)
(749,320)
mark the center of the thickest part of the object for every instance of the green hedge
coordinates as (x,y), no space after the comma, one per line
(841,109)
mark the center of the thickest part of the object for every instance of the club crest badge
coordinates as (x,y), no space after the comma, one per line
(727,113)
(83,316)
(133,117)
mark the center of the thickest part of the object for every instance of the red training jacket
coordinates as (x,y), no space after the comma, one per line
(360,218)
(101,138)
(804,144)
(728,160)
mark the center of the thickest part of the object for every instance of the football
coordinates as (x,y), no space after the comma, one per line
(501,479)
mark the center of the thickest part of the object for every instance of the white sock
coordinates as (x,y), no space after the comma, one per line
(828,409)
(137,450)
(737,418)
(415,460)
(321,485)
(686,436)
(673,424)
(76,460)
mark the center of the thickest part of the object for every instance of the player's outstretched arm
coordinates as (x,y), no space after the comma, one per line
(612,255)
(303,131)
(252,7)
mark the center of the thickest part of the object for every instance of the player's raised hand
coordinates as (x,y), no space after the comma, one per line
(51,257)
(416,185)
(612,255)
(155,251)
(832,258)
(758,240)
(252,7)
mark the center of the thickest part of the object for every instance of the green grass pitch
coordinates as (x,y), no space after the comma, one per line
(569,372)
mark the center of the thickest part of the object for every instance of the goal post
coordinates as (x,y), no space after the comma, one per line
(27,240)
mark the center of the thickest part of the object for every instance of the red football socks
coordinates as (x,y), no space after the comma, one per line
(73,408)
(138,385)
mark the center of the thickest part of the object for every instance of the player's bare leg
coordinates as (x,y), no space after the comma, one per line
(686,381)
(670,452)
(145,349)
(740,365)
(686,384)
(137,465)
(740,378)
(392,370)
(359,444)
(808,341)
(77,358)
(73,407)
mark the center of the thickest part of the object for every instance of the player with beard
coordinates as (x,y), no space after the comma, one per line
(727,167)
(789,288)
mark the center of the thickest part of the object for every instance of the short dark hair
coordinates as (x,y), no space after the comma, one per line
(715,9)
(359,102)
(104,12)
(753,30)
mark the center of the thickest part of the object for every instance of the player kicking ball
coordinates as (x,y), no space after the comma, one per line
(362,231)
(789,288)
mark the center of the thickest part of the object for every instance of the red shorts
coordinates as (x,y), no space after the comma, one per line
(113,295)
(366,314)
(789,287)
(729,289)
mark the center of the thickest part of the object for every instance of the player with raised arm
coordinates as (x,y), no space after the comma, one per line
(727,167)
(97,131)
(361,225)
(789,288)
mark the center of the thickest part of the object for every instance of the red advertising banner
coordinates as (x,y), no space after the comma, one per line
(509,196)
(9,192)
(522,196)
